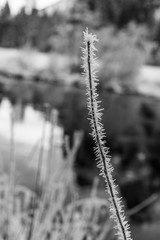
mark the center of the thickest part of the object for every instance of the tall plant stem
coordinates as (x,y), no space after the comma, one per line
(37,181)
(106,169)
(11,179)
(93,112)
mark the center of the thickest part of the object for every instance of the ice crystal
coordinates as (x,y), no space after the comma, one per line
(98,133)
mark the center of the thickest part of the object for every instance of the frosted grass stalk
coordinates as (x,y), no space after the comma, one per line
(95,113)
(11,180)
(38,183)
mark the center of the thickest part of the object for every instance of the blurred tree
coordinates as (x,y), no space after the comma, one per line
(5,24)
(32,28)
(120,12)
(5,12)
(46,32)
(19,25)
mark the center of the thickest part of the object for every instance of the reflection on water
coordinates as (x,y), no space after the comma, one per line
(30,134)
(29,130)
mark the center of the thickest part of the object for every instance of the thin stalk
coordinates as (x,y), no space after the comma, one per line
(12,164)
(98,135)
(11,180)
(53,121)
(97,139)
(48,178)
(37,181)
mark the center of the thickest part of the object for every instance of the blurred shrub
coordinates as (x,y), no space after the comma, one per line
(122,12)
(122,53)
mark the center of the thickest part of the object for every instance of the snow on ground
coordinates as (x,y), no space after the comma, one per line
(26,62)
(148,81)
(30,63)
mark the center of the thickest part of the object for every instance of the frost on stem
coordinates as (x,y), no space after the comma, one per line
(95,115)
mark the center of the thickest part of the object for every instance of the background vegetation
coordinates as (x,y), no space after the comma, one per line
(129,33)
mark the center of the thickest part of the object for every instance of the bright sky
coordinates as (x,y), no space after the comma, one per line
(15,5)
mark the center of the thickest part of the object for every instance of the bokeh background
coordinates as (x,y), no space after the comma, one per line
(42,95)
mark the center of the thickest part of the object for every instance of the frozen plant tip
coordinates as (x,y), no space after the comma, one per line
(95,113)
